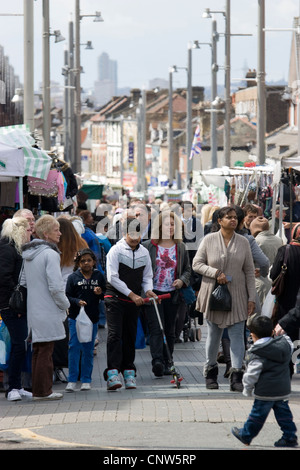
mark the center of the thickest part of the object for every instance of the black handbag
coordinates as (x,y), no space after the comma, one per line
(278,283)
(220,298)
(18,299)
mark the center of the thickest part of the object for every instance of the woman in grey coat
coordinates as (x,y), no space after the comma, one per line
(225,257)
(46,303)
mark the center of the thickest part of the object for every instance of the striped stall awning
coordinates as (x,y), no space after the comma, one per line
(37,161)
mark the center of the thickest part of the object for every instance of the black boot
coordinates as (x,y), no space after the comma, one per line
(227,358)
(235,378)
(211,378)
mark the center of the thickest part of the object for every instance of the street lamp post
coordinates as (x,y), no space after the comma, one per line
(226,14)
(170,124)
(170,130)
(189,115)
(261,85)
(28,64)
(227,149)
(214,70)
(77,105)
(46,73)
(213,132)
(71,82)
(141,142)
(97,17)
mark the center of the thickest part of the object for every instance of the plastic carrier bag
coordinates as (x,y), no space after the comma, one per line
(5,345)
(84,327)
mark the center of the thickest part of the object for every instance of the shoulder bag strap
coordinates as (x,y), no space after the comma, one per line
(286,255)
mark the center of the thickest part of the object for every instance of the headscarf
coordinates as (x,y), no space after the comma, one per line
(295,235)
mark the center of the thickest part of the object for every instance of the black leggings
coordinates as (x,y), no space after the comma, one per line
(168,312)
(121,318)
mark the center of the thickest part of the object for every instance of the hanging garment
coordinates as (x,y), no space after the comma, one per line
(52,187)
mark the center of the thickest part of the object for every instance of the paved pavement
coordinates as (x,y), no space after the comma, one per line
(155,416)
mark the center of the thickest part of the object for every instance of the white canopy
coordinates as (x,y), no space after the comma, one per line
(12,161)
(37,162)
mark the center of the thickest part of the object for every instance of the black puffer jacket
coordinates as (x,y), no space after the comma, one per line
(10,265)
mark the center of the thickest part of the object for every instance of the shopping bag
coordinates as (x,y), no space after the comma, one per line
(140,342)
(5,346)
(268,305)
(220,298)
(84,327)
(188,295)
(18,299)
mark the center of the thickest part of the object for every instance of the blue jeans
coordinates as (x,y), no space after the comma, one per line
(83,351)
(17,327)
(259,414)
(237,344)
(102,317)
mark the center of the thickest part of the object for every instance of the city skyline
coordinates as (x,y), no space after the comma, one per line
(145,40)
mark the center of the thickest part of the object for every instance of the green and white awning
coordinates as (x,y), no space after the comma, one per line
(37,161)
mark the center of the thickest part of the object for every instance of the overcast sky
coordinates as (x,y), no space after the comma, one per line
(146,37)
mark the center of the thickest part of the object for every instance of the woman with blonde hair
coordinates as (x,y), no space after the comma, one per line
(15,232)
(171,271)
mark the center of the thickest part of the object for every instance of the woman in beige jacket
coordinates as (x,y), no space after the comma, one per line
(225,256)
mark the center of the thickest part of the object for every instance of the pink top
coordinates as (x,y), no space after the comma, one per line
(164,276)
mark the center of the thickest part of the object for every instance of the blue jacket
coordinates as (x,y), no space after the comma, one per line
(94,244)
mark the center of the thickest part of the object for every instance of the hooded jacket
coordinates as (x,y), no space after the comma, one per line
(268,369)
(79,288)
(128,270)
(46,299)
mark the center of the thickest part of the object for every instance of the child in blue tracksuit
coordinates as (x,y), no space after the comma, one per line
(85,287)
(268,375)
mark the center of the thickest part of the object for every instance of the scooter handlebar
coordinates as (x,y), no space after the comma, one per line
(160,297)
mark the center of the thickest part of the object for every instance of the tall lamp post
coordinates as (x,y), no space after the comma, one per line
(173,69)
(46,73)
(97,17)
(214,70)
(170,130)
(28,64)
(189,115)
(226,14)
(261,84)
(141,142)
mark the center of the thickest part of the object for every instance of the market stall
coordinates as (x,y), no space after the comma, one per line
(48,182)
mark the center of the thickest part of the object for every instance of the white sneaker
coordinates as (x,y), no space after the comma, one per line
(14,395)
(85,386)
(71,387)
(24,393)
(52,396)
